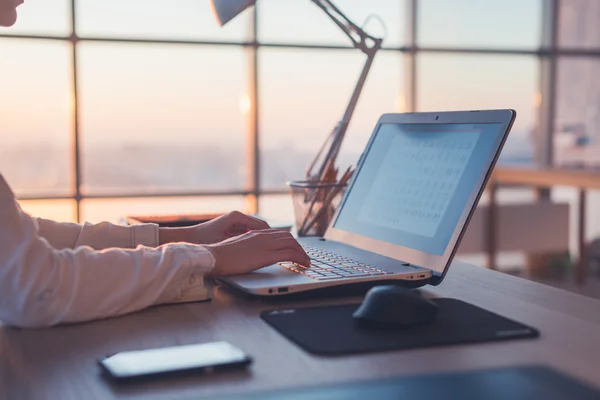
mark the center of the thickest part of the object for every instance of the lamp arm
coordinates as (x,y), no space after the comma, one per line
(356,34)
(361,40)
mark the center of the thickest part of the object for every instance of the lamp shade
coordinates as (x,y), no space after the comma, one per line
(226,10)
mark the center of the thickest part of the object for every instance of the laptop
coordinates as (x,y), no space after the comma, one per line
(405,210)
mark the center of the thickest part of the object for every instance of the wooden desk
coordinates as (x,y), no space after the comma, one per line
(542,179)
(547,177)
(60,363)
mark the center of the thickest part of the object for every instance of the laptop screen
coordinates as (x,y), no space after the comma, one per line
(415,182)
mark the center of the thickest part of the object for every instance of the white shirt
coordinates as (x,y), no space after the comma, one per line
(53,273)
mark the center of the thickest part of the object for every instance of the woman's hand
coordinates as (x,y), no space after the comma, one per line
(256,249)
(226,226)
(214,231)
(239,243)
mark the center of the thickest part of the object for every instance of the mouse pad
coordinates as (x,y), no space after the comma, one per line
(331,330)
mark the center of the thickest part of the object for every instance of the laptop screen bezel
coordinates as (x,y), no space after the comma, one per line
(437,264)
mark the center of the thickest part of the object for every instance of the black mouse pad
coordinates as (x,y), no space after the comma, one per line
(331,330)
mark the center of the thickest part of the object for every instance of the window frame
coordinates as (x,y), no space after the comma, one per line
(547,54)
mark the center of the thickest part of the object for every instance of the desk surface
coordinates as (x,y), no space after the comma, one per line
(547,177)
(60,363)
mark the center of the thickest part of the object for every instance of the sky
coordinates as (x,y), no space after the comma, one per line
(161,93)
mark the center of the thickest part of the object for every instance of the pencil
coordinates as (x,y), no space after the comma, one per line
(318,195)
(327,202)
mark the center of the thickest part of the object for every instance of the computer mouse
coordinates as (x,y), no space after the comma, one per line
(390,306)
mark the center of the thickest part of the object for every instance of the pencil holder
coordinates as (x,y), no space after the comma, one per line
(315,204)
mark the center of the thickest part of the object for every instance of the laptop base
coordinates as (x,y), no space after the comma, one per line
(347,289)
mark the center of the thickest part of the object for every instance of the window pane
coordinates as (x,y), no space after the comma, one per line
(480,23)
(162,118)
(277,207)
(113,210)
(578,23)
(179,19)
(304,22)
(577,127)
(57,210)
(42,17)
(302,96)
(36,116)
(472,82)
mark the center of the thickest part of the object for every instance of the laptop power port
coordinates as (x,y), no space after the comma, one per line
(283,290)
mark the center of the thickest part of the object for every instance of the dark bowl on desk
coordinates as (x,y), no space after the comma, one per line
(177,221)
(171,221)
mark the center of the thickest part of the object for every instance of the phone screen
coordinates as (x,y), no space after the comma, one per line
(172,359)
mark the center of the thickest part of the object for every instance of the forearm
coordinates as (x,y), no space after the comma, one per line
(42,286)
(97,236)
(177,235)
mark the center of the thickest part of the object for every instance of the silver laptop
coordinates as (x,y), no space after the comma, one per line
(404,212)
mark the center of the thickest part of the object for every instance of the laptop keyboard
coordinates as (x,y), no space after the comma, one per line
(326,265)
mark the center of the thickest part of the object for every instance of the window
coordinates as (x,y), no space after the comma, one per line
(511,24)
(98,210)
(163,92)
(576,137)
(158,118)
(277,207)
(577,124)
(58,210)
(36,117)
(578,24)
(143,19)
(302,22)
(42,17)
(471,82)
(302,96)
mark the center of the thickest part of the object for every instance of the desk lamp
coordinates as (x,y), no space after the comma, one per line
(226,10)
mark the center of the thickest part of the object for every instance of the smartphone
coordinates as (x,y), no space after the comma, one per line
(151,363)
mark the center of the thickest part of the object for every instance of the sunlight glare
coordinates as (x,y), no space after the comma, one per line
(245,104)
(400,104)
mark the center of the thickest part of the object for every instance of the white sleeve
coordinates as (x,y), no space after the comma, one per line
(64,235)
(43,286)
